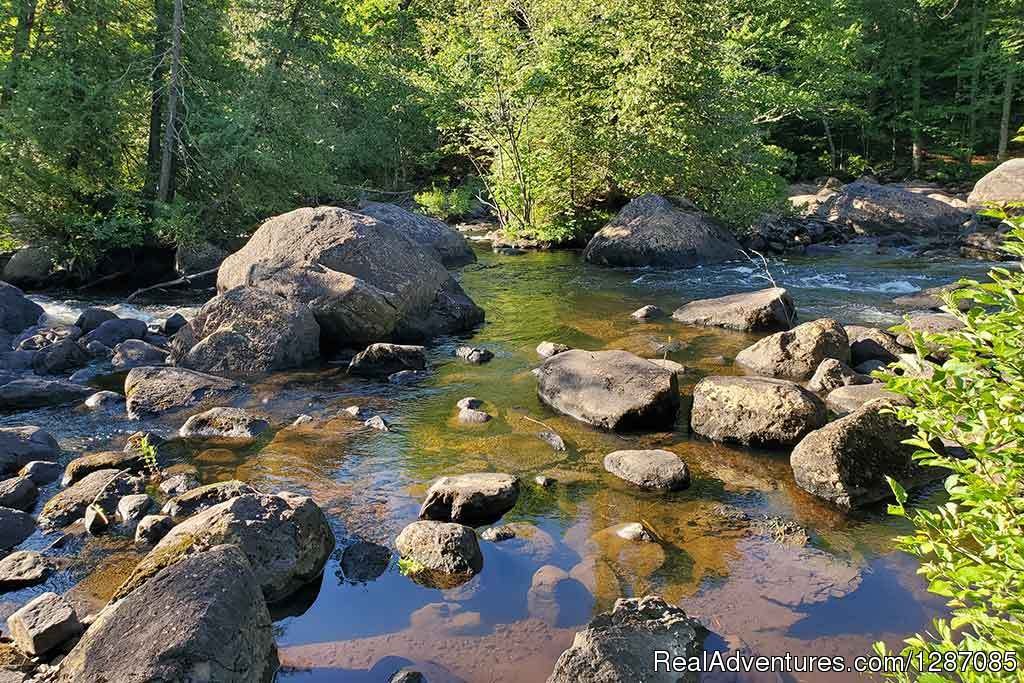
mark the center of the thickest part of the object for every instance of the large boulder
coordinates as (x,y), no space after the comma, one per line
(224,423)
(29,267)
(1003,184)
(15,527)
(613,390)
(439,554)
(18,493)
(797,353)
(201,619)
(286,538)
(59,357)
(134,353)
(153,391)
(872,209)
(653,231)
(382,360)
(448,245)
(92,317)
(871,343)
(36,392)
(619,646)
(755,411)
(766,310)
(17,311)
(364,281)
(655,470)
(472,499)
(846,461)
(248,330)
(21,445)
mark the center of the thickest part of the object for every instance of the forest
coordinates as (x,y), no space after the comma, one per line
(126,123)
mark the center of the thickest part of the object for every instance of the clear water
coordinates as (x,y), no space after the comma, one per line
(845,590)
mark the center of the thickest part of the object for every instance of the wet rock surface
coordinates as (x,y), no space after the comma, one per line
(472,499)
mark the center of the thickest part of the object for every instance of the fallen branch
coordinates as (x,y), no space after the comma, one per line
(184,280)
(100,281)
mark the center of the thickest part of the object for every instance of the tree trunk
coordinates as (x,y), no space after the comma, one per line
(831,144)
(22,39)
(1004,123)
(916,153)
(156,103)
(165,188)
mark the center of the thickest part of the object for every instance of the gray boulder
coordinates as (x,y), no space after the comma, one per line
(618,646)
(448,245)
(471,499)
(613,390)
(364,281)
(16,310)
(655,470)
(92,317)
(873,209)
(204,498)
(767,310)
(247,330)
(21,445)
(15,527)
(62,356)
(29,267)
(178,628)
(797,353)
(285,537)
(845,400)
(439,554)
(871,343)
(18,493)
(846,461)
(36,392)
(21,569)
(83,466)
(110,333)
(224,423)
(46,622)
(133,353)
(653,231)
(1003,184)
(755,411)
(152,528)
(381,360)
(833,373)
(154,391)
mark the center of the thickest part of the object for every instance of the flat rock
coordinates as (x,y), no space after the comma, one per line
(766,310)
(613,390)
(224,423)
(381,360)
(797,353)
(440,554)
(178,628)
(154,391)
(79,468)
(472,499)
(616,646)
(21,569)
(755,411)
(205,497)
(18,493)
(36,392)
(655,470)
(846,461)
(21,445)
(46,622)
(845,400)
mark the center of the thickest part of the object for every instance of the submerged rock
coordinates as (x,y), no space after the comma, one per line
(44,623)
(363,279)
(21,445)
(247,330)
(797,353)
(654,470)
(755,411)
(618,646)
(472,499)
(474,354)
(446,244)
(613,390)
(846,461)
(224,423)
(767,310)
(558,599)
(153,391)
(653,231)
(381,360)
(286,538)
(177,628)
(363,562)
(439,554)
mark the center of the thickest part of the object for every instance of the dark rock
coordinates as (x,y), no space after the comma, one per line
(869,366)
(112,332)
(205,497)
(44,623)
(36,392)
(199,257)
(653,231)
(439,554)
(655,470)
(767,310)
(16,310)
(109,498)
(846,461)
(617,646)
(174,323)
(471,499)
(447,245)
(18,493)
(869,343)
(406,377)
(224,423)
(59,357)
(200,619)
(21,445)
(15,527)
(365,281)
(363,562)
(22,569)
(613,390)
(381,360)
(797,353)
(469,403)
(153,391)
(17,360)
(250,331)
(92,317)
(408,676)
(40,337)
(134,353)
(41,472)
(755,411)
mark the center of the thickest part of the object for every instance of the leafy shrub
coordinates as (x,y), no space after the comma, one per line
(972,547)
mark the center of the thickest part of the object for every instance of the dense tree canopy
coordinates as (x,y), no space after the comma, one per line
(131,122)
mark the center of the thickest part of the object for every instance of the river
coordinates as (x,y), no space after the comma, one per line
(838,594)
